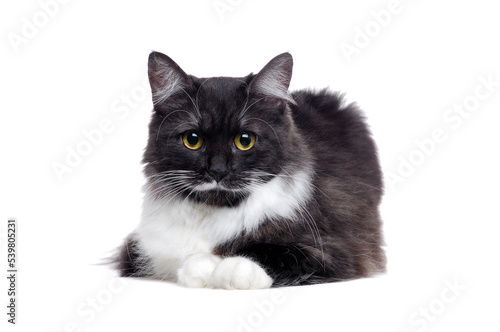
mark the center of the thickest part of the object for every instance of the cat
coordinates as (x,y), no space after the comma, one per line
(249,186)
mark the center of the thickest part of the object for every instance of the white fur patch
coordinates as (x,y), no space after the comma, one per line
(239,273)
(206,270)
(173,231)
(207,186)
(197,270)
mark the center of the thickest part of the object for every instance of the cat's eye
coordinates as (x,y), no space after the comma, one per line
(244,141)
(192,140)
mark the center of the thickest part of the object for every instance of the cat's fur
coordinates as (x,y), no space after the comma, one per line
(299,207)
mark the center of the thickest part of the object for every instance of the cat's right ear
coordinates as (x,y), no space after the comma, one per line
(165,77)
(273,80)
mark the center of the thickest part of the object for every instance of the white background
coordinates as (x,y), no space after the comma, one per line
(68,67)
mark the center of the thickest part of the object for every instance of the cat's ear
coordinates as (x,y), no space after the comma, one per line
(274,79)
(165,77)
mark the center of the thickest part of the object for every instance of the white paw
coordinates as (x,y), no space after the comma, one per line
(196,270)
(239,273)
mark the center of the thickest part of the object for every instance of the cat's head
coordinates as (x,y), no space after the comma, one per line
(213,140)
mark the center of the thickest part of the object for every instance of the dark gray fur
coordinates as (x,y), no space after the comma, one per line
(339,235)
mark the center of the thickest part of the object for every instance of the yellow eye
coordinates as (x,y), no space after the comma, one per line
(244,141)
(192,140)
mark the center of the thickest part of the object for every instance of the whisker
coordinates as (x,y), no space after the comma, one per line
(247,108)
(197,92)
(275,134)
(192,101)
(173,112)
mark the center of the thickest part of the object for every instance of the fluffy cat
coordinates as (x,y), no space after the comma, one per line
(250,186)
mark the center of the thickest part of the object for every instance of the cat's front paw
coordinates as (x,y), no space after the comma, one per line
(196,270)
(239,273)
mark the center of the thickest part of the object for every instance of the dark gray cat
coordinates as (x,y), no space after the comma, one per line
(250,186)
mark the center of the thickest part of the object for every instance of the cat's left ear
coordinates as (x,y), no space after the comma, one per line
(274,79)
(165,77)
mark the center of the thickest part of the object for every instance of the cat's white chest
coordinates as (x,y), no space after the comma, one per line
(172,231)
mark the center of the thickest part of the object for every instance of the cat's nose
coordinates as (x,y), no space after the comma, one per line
(218,173)
(218,169)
